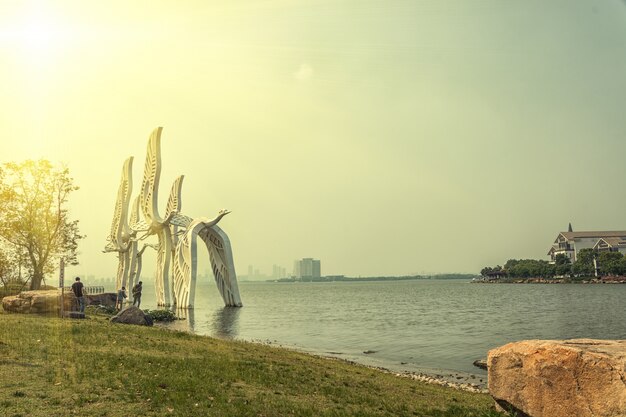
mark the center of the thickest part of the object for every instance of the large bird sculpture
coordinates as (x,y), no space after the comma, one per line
(221,257)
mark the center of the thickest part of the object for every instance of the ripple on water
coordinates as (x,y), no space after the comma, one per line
(434,325)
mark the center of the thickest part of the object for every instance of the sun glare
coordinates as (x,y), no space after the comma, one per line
(41,36)
(36,35)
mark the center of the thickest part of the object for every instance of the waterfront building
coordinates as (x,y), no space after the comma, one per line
(570,242)
(307,268)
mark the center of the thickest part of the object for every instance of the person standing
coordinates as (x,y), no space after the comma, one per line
(137,294)
(77,289)
(121,295)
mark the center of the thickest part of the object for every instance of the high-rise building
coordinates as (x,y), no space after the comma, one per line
(307,268)
(317,268)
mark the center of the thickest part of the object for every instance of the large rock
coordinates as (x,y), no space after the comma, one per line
(132,315)
(560,378)
(41,302)
(48,301)
(105,299)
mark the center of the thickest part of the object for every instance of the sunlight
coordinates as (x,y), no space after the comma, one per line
(37,35)
(41,36)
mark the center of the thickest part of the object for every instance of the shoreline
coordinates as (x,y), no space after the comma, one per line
(465,381)
(536,280)
(468,382)
(136,370)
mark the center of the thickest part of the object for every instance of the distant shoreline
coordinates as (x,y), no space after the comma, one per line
(586,280)
(341,278)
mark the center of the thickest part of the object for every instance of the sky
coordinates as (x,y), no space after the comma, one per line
(385,137)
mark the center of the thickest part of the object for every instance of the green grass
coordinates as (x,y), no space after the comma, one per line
(53,367)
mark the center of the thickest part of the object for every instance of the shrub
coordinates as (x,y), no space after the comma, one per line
(161,315)
(100,310)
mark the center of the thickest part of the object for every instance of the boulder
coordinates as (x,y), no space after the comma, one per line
(480,363)
(105,299)
(41,302)
(560,378)
(48,301)
(132,315)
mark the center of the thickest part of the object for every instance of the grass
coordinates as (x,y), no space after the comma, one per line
(54,367)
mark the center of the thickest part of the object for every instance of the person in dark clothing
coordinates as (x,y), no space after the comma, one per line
(77,289)
(137,294)
(121,295)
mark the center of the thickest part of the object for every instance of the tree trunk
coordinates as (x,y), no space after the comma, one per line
(35,282)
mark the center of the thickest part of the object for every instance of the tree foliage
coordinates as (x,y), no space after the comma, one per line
(489,270)
(526,268)
(608,263)
(584,262)
(34,220)
(562,264)
(7,271)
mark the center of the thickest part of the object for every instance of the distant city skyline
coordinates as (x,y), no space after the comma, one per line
(382,137)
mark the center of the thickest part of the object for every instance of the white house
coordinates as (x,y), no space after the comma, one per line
(570,242)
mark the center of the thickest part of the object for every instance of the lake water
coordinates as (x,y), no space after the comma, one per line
(430,326)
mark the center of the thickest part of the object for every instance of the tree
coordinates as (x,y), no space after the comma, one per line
(486,271)
(33,216)
(529,268)
(610,263)
(584,262)
(7,271)
(510,264)
(562,264)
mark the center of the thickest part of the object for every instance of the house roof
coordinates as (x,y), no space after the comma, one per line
(612,241)
(612,237)
(604,234)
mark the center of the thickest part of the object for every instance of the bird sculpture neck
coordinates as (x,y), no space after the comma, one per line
(216,220)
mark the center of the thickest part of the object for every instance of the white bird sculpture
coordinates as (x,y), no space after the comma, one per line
(156,224)
(121,237)
(177,236)
(220,254)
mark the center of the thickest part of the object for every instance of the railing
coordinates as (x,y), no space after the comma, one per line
(88,290)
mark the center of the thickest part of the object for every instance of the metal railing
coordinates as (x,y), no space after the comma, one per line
(93,289)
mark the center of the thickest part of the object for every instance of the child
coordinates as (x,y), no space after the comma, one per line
(121,294)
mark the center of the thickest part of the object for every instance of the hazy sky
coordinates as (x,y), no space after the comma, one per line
(382,137)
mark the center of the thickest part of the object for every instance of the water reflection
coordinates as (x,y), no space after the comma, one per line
(226,322)
(186,318)
(431,324)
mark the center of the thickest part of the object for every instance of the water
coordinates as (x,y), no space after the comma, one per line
(432,326)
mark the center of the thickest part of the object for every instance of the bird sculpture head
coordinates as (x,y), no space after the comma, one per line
(216,220)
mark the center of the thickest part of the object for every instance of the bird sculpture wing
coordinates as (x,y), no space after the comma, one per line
(135,212)
(174,203)
(222,264)
(181,220)
(136,224)
(119,227)
(151,176)
(183,271)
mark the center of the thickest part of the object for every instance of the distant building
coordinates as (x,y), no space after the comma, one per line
(570,242)
(278,272)
(307,268)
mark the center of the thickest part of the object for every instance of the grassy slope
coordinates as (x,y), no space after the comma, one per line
(54,367)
